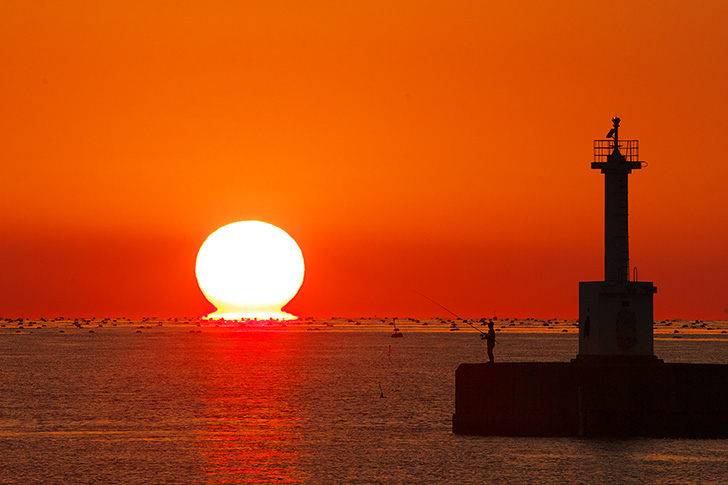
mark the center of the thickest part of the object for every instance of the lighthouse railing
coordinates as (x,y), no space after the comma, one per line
(630,149)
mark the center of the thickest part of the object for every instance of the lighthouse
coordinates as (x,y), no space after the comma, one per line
(615,387)
(616,315)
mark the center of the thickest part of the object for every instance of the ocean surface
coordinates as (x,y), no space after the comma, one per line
(172,402)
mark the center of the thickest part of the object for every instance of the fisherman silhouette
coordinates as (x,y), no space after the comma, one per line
(490,340)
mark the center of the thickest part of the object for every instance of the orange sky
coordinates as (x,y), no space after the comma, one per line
(437,146)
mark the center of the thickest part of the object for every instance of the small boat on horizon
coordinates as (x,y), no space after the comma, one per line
(397,333)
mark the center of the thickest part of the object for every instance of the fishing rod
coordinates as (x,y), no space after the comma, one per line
(449,311)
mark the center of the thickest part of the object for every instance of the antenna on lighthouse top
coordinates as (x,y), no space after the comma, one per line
(614,132)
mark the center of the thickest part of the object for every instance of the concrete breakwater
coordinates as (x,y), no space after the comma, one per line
(609,399)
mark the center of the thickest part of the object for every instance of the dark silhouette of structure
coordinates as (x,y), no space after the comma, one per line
(616,386)
(616,299)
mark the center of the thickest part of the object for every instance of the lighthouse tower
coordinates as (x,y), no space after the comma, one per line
(616,315)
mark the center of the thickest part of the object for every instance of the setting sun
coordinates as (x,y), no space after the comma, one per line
(249,269)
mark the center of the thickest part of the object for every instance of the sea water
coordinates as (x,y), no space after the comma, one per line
(187,404)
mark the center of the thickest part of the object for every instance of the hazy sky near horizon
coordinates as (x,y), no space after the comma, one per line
(440,146)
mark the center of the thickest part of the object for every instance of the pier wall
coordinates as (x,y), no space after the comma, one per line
(592,400)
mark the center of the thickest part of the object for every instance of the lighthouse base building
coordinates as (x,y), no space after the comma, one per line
(616,320)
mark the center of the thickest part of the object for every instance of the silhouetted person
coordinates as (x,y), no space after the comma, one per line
(490,340)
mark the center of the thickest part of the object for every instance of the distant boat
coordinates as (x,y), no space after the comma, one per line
(397,332)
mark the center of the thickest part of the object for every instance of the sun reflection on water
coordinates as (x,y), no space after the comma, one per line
(253,424)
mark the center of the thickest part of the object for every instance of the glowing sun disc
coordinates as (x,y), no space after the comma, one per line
(249,269)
